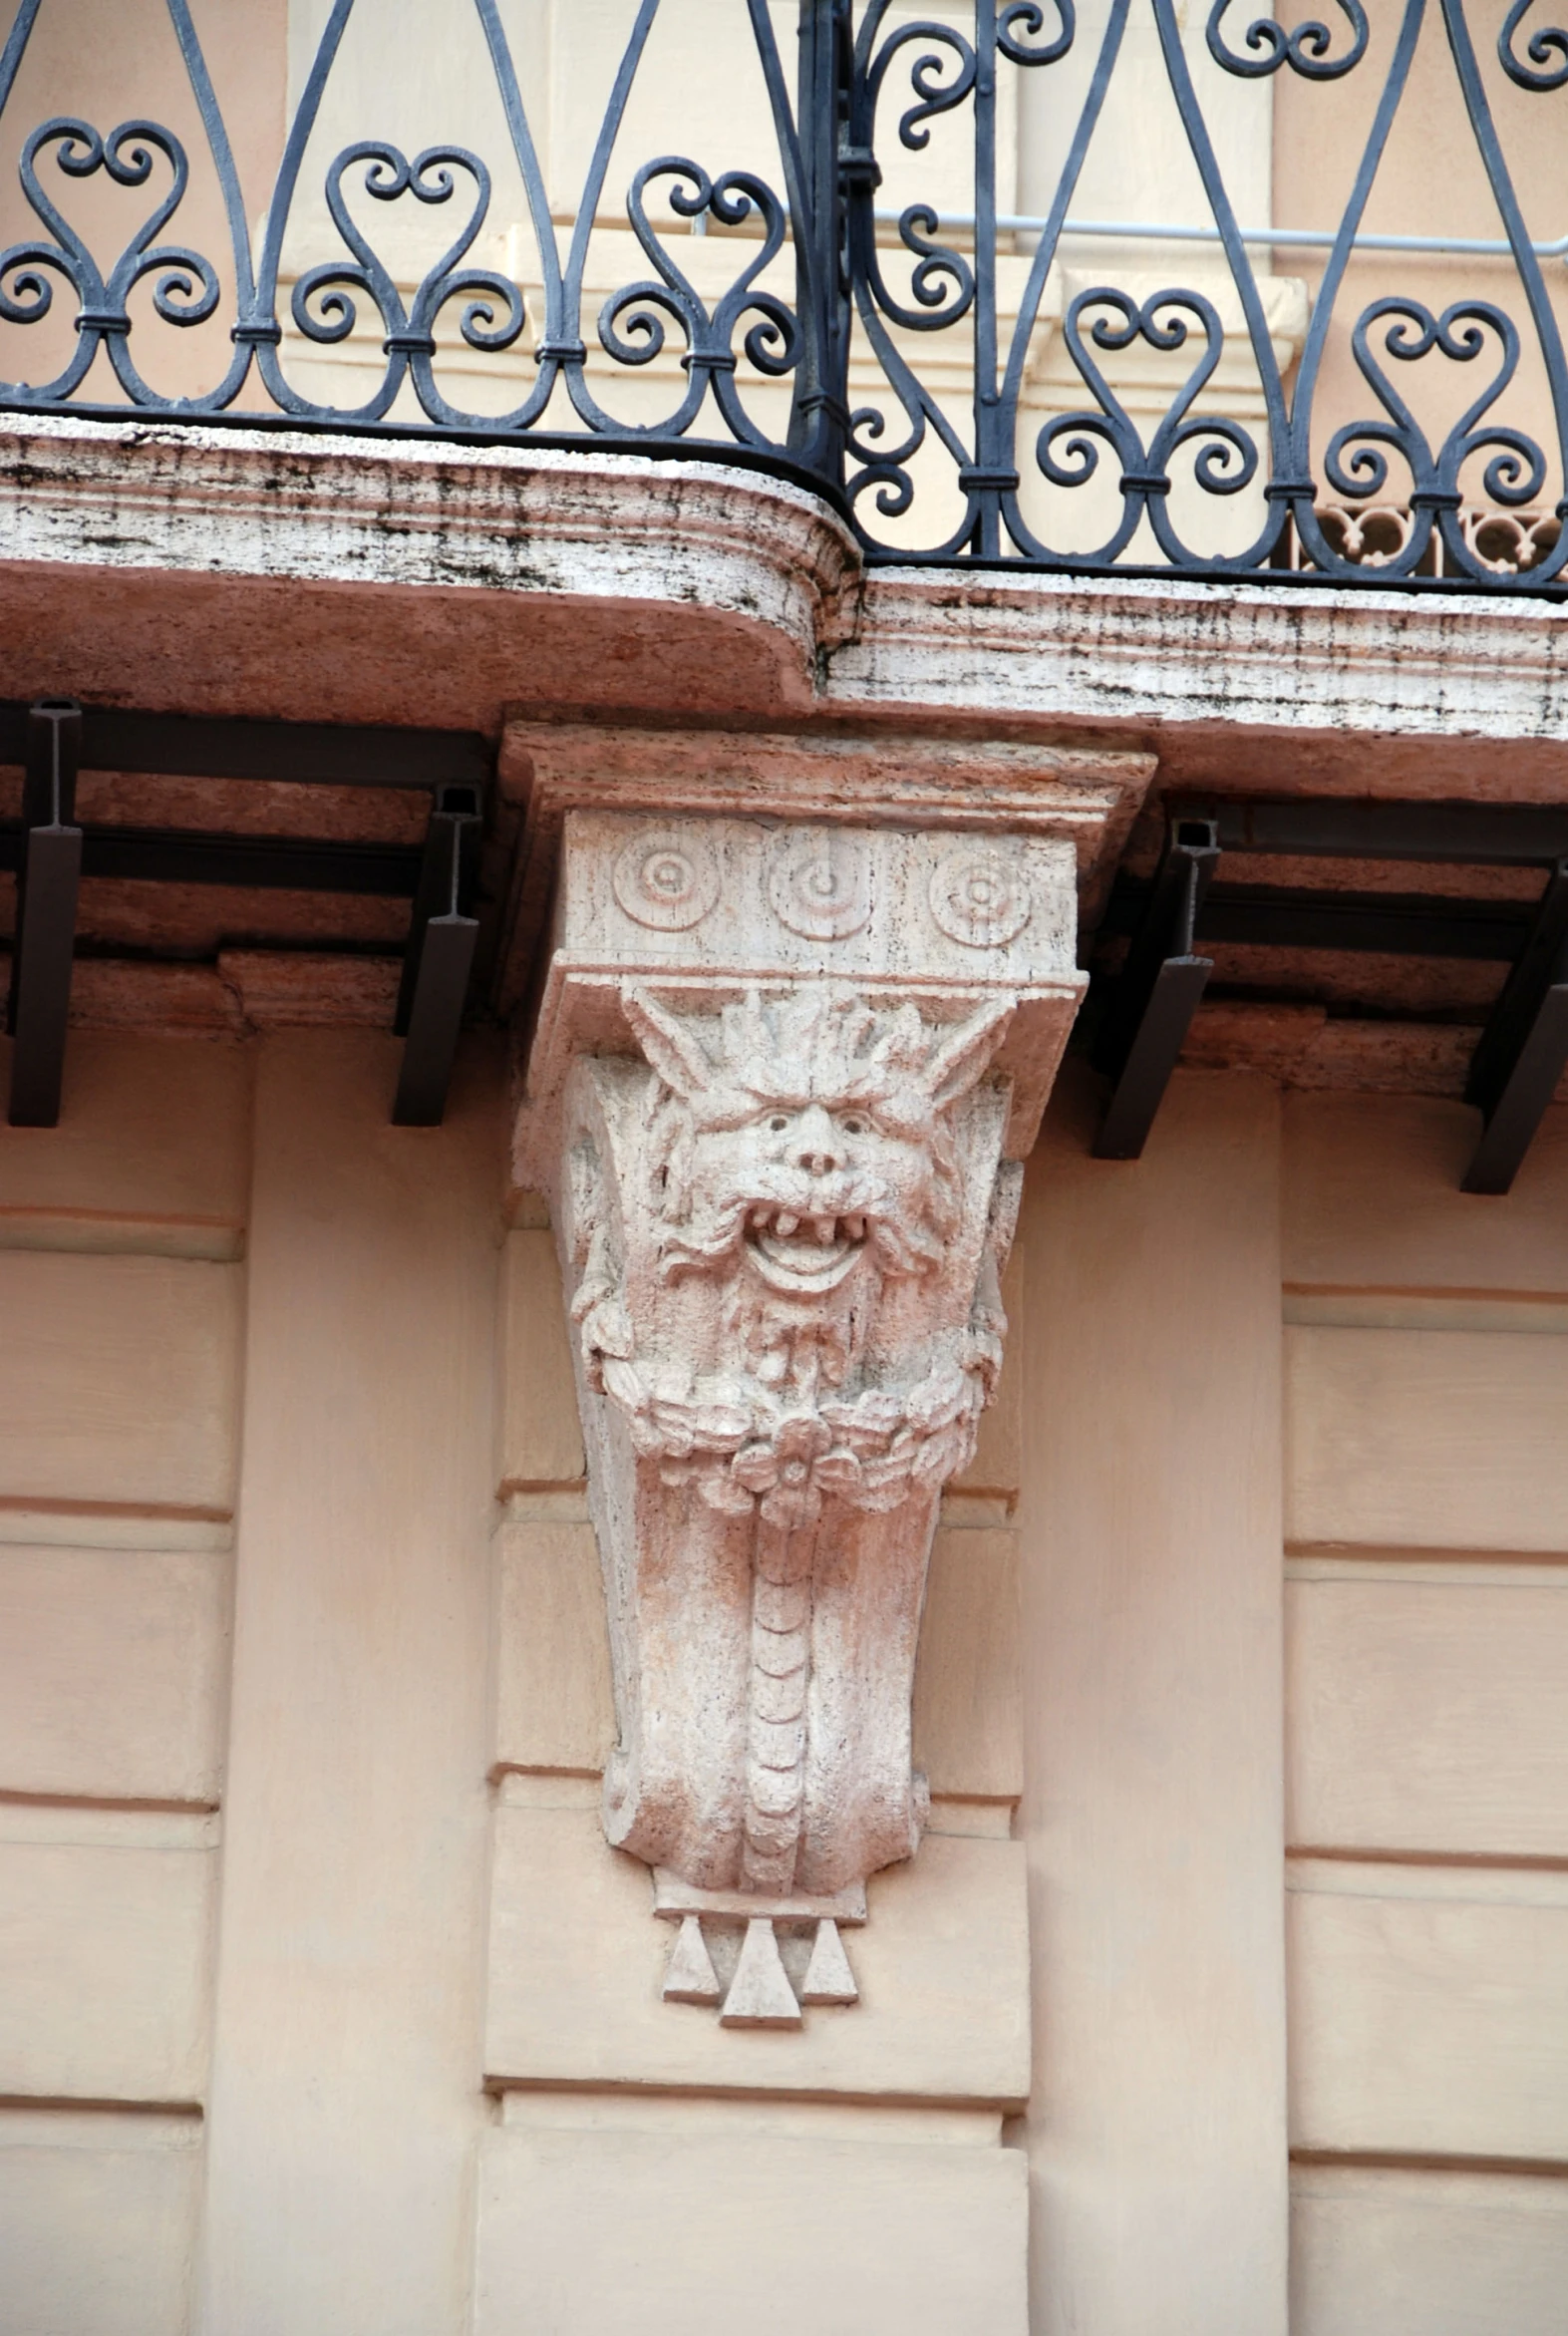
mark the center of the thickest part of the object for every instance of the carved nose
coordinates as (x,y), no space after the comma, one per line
(817,1146)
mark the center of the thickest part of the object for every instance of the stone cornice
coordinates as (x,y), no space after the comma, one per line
(1085,794)
(1262,656)
(372,511)
(698,552)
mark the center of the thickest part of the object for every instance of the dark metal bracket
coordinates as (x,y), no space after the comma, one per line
(54,739)
(1500,835)
(306,753)
(1158,992)
(49,876)
(1277,916)
(1522,1053)
(1523,1050)
(439,957)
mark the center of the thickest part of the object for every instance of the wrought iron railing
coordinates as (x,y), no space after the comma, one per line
(995,280)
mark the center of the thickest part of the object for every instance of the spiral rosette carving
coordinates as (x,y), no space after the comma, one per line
(980,899)
(666,883)
(819,885)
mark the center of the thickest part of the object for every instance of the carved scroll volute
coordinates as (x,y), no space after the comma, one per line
(784,1202)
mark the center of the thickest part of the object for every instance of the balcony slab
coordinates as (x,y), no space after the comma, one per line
(369,577)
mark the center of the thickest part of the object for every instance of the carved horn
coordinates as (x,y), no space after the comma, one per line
(961,1058)
(669,1041)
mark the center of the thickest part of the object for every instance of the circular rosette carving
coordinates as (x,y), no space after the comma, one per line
(819,885)
(980,899)
(790,1470)
(668,883)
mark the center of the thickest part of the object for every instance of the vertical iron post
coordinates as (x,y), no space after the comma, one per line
(1158,993)
(439,957)
(992,474)
(819,420)
(48,880)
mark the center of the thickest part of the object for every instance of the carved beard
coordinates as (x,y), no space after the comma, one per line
(797,1346)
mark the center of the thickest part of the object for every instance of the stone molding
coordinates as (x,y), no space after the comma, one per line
(1088,797)
(152,564)
(1283,657)
(534,526)
(363,511)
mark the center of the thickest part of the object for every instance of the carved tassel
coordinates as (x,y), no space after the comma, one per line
(690,1977)
(761,1995)
(828,1978)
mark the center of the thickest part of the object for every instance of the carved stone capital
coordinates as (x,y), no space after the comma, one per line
(781,1076)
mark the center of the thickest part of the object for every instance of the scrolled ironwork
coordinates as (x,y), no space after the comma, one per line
(936,263)
(771,344)
(1513,476)
(1021,20)
(1226,461)
(931,96)
(322,305)
(185,293)
(871,312)
(1306,51)
(1545,44)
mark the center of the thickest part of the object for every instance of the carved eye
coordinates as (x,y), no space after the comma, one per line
(853,1126)
(778,1122)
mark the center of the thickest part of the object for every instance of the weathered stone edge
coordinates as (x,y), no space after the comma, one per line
(378,511)
(1141,651)
(353,509)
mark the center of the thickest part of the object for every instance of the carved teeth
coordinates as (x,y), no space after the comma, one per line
(785,1223)
(797,1253)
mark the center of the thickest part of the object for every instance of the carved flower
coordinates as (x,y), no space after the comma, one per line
(793,1468)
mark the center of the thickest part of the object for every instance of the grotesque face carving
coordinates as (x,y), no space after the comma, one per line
(796,1155)
(806,1191)
(807,1219)
(812,1141)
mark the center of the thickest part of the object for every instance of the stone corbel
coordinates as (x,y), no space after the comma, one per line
(781,1075)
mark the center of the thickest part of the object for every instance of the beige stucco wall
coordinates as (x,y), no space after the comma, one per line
(1427,1603)
(1153,1734)
(324,2004)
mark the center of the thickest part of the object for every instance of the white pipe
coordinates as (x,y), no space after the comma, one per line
(1300,238)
